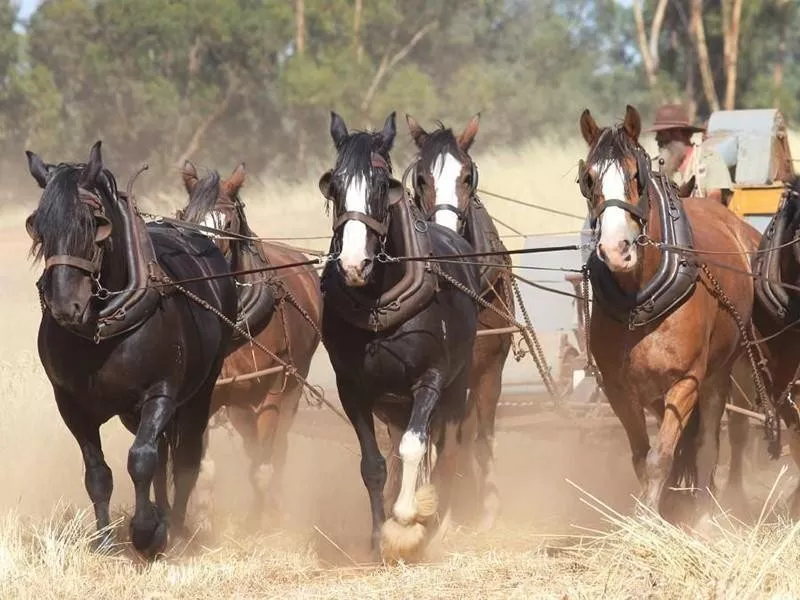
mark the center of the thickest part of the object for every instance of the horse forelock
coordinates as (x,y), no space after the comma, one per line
(203,198)
(63,222)
(354,162)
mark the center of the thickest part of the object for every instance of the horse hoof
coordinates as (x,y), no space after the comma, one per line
(150,541)
(402,542)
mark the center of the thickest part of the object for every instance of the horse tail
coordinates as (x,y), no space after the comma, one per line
(684,466)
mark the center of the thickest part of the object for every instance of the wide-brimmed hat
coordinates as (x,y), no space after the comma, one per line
(673,116)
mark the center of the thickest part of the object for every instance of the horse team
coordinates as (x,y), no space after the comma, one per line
(140,320)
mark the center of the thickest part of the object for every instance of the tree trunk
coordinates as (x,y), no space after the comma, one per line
(219,110)
(358,12)
(701,48)
(731,21)
(300,26)
(387,63)
(644,47)
(780,59)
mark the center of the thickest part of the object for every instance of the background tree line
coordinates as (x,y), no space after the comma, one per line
(220,81)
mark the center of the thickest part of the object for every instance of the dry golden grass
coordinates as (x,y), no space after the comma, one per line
(44,526)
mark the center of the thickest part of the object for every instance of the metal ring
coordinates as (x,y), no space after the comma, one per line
(421,226)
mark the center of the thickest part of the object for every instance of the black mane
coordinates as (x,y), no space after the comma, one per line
(62,222)
(203,198)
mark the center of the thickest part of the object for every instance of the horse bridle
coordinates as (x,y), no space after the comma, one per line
(430,214)
(640,210)
(381,228)
(102,233)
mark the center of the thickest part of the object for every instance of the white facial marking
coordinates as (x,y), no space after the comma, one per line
(354,235)
(446,169)
(215,220)
(412,449)
(615,225)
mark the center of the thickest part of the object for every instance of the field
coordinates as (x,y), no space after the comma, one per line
(565,532)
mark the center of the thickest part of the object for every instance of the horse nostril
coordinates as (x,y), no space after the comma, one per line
(624,246)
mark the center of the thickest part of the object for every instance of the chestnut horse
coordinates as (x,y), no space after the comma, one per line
(445,181)
(261,409)
(678,363)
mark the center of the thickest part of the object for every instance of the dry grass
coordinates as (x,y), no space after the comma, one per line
(44,529)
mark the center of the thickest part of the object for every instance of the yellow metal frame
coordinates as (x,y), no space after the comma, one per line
(759,200)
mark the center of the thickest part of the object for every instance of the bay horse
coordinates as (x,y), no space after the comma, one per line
(445,180)
(114,341)
(263,408)
(665,329)
(399,333)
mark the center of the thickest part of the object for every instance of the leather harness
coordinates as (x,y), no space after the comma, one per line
(676,275)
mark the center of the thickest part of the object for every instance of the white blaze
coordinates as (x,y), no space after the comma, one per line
(215,220)
(354,235)
(446,169)
(615,226)
(412,449)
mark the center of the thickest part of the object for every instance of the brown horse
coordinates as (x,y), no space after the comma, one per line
(445,181)
(262,409)
(665,329)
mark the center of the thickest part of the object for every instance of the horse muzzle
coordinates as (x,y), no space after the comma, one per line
(620,257)
(356,275)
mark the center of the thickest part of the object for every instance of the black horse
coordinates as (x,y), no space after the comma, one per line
(115,339)
(399,334)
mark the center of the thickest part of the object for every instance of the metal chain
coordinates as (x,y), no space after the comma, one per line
(290,369)
(532,340)
(526,334)
(771,423)
(591,368)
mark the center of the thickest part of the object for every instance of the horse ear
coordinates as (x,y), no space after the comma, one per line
(189,175)
(325,184)
(389,132)
(632,123)
(589,128)
(418,134)
(470,131)
(37,168)
(338,129)
(93,168)
(235,181)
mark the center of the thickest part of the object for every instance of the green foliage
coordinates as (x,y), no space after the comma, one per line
(223,81)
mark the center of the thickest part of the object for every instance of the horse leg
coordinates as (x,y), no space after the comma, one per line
(148,525)
(738,435)
(404,535)
(98,478)
(191,422)
(276,443)
(160,479)
(395,467)
(486,396)
(373,465)
(711,408)
(632,417)
(680,401)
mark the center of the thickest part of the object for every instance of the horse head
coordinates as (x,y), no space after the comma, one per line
(215,203)
(444,176)
(614,179)
(359,188)
(71,230)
